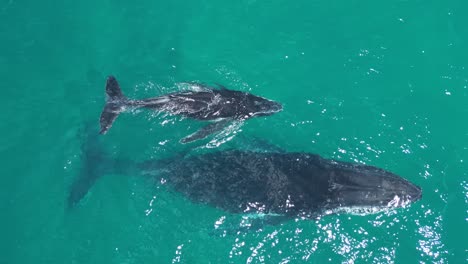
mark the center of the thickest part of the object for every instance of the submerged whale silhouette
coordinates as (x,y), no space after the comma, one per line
(278,183)
(289,184)
(218,105)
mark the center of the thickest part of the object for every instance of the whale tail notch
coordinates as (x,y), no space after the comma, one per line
(115,104)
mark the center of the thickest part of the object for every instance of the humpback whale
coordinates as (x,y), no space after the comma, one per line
(286,184)
(218,105)
(290,184)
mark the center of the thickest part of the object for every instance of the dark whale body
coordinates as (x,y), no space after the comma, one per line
(290,184)
(285,184)
(207,104)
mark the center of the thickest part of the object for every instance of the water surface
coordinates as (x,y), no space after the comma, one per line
(364,81)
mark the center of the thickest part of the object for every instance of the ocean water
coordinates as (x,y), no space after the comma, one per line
(379,82)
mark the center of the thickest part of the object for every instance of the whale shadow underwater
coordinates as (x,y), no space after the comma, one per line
(284,185)
(220,106)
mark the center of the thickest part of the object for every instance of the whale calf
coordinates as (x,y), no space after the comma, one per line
(206,103)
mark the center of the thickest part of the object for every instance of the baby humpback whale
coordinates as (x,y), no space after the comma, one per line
(218,105)
(276,183)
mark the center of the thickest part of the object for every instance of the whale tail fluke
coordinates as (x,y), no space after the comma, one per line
(115,104)
(93,160)
(113,90)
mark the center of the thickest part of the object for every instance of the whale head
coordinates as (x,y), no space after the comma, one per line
(361,188)
(259,106)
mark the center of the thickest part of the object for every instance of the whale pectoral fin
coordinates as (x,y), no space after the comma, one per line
(206,131)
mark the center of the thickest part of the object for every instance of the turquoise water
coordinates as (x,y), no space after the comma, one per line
(380,83)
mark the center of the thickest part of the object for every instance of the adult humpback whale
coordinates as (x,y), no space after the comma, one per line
(218,105)
(288,184)
(279,183)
